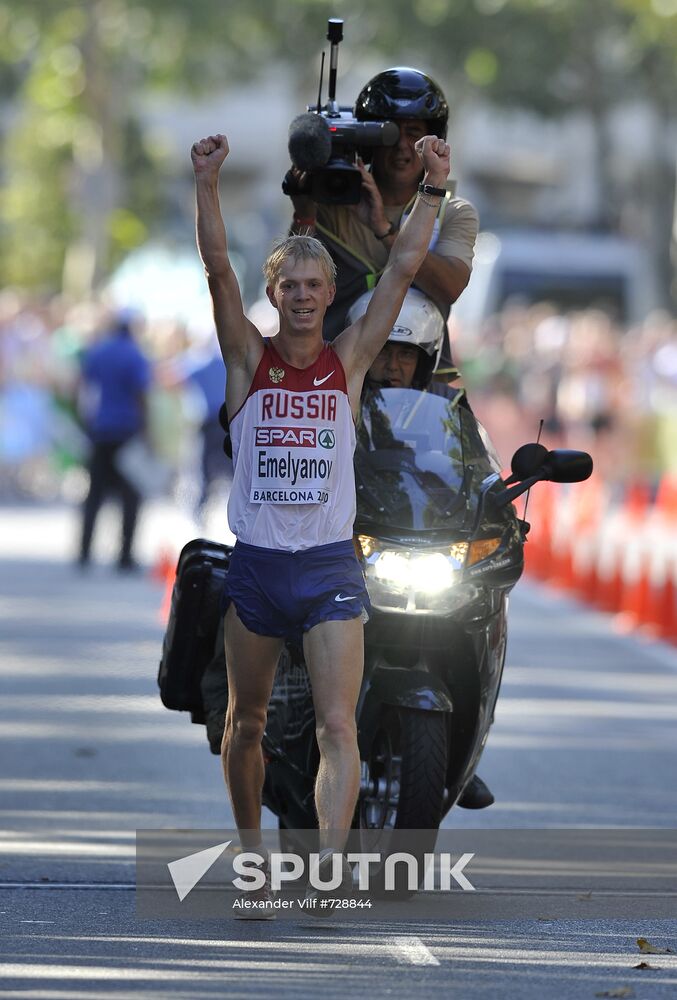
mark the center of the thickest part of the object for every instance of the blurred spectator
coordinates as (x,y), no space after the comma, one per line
(595,386)
(115,379)
(25,400)
(201,369)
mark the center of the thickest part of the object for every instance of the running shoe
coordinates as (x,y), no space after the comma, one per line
(315,897)
(256,904)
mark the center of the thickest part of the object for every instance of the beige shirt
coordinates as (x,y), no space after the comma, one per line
(455,237)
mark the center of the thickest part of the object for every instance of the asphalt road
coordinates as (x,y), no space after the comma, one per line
(585,735)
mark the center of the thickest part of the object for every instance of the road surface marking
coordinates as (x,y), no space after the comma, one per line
(413,951)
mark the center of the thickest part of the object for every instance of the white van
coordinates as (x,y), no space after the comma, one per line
(572,270)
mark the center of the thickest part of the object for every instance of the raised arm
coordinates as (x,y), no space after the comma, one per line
(241,343)
(360,343)
(442,276)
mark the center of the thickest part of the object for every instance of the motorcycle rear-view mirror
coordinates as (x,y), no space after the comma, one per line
(564,466)
(527,461)
(533,463)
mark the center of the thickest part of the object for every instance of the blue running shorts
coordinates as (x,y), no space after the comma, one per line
(286,593)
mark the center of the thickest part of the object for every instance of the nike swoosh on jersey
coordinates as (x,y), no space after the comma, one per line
(319,381)
(353,597)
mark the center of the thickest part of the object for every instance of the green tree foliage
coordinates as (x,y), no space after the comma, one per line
(80,187)
(81,183)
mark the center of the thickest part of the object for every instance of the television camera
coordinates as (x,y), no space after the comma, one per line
(324,142)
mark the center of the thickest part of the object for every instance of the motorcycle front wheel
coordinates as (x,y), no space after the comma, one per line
(403,784)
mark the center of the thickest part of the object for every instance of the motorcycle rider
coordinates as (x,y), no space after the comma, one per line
(360,237)
(408,360)
(409,356)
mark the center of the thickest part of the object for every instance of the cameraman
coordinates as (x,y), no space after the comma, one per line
(360,237)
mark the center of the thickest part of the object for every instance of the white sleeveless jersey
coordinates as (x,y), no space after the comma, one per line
(293,443)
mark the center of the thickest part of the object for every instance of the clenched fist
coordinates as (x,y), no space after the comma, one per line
(435,155)
(208,154)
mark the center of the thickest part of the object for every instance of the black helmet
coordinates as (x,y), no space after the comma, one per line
(403,92)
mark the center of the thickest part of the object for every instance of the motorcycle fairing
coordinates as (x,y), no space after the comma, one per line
(420,462)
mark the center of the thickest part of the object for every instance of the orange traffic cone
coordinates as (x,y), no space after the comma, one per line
(634,585)
(619,586)
(666,497)
(585,563)
(637,500)
(164,562)
(609,585)
(541,515)
(562,566)
(650,610)
(561,570)
(165,607)
(589,511)
(667,607)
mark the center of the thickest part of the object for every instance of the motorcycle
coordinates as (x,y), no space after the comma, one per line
(441,547)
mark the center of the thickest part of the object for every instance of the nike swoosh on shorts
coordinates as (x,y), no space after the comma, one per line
(353,597)
(319,381)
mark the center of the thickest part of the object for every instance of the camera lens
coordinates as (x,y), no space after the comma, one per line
(339,183)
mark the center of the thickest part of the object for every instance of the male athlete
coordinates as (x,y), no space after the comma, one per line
(292,401)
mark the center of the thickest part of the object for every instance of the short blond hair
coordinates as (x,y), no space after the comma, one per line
(298,248)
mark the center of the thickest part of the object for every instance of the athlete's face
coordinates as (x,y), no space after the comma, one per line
(301,294)
(396,364)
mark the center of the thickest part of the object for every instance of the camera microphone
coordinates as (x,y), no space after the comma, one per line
(309,141)
(324,144)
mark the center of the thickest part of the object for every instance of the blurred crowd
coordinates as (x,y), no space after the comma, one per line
(44,444)
(597,385)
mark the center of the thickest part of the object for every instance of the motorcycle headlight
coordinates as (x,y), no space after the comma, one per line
(402,579)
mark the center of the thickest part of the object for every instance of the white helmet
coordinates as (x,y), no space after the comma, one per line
(419,323)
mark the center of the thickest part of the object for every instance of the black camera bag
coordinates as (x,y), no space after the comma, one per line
(189,639)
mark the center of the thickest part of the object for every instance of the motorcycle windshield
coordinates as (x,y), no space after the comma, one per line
(419,461)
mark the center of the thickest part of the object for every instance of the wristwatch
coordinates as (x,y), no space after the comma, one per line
(429,189)
(392,229)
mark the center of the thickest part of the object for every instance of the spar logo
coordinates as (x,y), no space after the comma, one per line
(288,437)
(327,438)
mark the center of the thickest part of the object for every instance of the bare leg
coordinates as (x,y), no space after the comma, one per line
(251,661)
(335,657)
